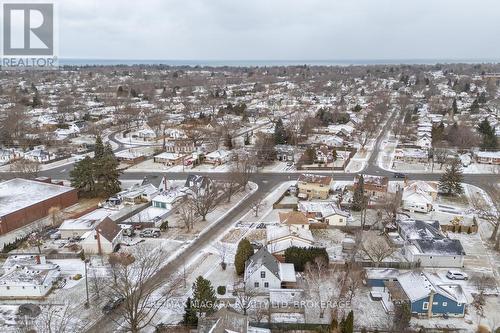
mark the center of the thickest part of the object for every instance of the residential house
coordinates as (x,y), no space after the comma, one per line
(324,212)
(374,186)
(28,279)
(105,238)
(285,153)
(419,196)
(179,146)
(428,295)
(294,220)
(488,157)
(218,157)
(138,193)
(263,272)
(425,243)
(314,186)
(410,155)
(280,238)
(169,159)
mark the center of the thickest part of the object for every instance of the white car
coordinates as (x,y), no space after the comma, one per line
(456,275)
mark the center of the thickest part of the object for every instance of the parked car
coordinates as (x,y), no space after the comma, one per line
(55,235)
(112,304)
(399,175)
(456,275)
(150,232)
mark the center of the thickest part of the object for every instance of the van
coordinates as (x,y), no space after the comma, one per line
(150,232)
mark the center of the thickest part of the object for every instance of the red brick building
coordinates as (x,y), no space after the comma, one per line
(24,201)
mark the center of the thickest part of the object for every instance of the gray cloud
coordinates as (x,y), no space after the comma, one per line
(280,29)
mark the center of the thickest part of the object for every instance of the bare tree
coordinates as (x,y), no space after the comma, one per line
(489,212)
(244,299)
(317,272)
(257,205)
(204,199)
(58,319)
(187,213)
(376,248)
(135,279)
(24,168)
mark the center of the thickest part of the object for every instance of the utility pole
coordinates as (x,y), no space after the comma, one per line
(87,303)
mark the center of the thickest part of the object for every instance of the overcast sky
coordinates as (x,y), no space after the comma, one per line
(279,29)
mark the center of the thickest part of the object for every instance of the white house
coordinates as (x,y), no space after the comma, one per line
(218,157)
(323,211)
(417,201)
(425,243)
(280,238)
(263,272)
(104,239)
(28,279)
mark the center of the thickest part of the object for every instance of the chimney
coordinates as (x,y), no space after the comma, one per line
(37,259)
(98,235)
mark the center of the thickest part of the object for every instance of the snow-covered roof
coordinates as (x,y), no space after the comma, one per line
(287,272)
(17,193)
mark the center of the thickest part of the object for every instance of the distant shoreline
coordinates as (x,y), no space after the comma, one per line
(267,63)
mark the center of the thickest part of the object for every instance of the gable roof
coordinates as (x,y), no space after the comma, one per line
(262,258)
(315,179)
(108,229)
(416,229)
(419,285)
(293,218)
(445,246)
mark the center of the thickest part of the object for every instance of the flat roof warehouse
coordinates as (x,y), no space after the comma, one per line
(20,193)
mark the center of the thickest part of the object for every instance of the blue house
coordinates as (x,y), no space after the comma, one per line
(430,296)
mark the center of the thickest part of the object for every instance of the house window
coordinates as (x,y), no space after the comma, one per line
(445,303)
(425,306)
(256,285)
(266,284)
(341,220)
(263,274)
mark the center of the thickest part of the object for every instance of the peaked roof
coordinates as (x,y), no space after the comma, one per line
(262,258)
(419,285)
(108,229)
(293,218)
(316,179)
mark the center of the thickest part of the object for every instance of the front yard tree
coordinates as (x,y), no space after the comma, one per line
(310,155)
(135,279)
(82,176)
(451,181)
(358,198)
(243,253)
(107,172)
(204,298)
(489,137)
(98,148)
(204,199)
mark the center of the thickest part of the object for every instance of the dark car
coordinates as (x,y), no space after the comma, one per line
(399,175)
(112,304)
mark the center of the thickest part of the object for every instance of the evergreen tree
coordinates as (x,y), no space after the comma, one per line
(402,316)
(189,318)
(358,198)
(279,133)
(82,176)
(454,106)
(243,253)
(451,181)
(488,134)
(334,155)
(204,299)
(348,326)
(474,108)
(98,148)
(310,155)
(107,174)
